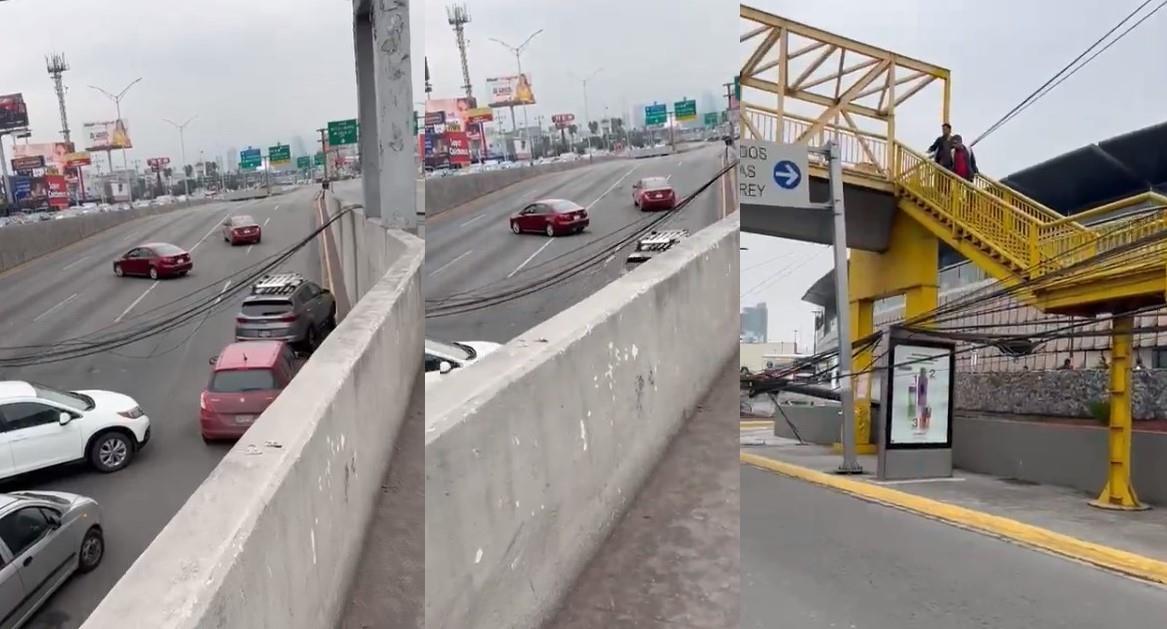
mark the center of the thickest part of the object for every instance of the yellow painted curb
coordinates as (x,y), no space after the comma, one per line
(1127,563)
(756,423)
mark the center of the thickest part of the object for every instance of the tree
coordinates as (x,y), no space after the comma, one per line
(594,126)
(189,170)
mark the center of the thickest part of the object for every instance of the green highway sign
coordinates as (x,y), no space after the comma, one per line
(279,154)
(655,114)
(711,119)
(250,159)
(685,109)
(304,162)
(342,132)
(319,160)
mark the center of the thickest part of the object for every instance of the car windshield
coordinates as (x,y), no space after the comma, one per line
(267,308)
(242,380)
(73,400)
(655,182)
(563,206)
(450,350)
(167,250)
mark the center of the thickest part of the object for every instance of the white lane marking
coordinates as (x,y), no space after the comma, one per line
(266,220)
(135,302)
(276,208)
(205,236)
(448,264)
(74,263)
(610,188)
(221,291)
(249,249)
(476,218)
(50,310)
(529,258)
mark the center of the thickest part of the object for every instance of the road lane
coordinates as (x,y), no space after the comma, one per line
(471,248)
(164,373)
(816,559)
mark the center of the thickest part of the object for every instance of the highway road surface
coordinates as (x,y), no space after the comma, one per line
(814,558)
(471,250)
(74,291)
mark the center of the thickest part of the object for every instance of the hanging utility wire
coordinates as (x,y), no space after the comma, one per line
(1070,69)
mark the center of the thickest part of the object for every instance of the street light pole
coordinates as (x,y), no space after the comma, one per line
(182,146)
(518,51)
(117,101)
(587,118)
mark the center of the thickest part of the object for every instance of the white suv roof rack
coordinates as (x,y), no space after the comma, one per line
(656,242)
(278,283)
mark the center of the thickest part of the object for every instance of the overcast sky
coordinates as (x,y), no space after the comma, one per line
(645,50)
(254,72)
(995,63)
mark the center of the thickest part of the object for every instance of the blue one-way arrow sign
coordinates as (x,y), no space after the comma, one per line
(787,174)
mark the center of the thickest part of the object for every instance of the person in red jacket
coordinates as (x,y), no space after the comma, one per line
(964,162)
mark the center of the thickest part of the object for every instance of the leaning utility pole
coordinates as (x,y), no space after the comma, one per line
(57,66)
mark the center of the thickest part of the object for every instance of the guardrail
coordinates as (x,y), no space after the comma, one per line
(533,454)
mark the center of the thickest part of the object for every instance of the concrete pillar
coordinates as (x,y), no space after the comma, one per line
(1119,492)
(388,112)
(863,325)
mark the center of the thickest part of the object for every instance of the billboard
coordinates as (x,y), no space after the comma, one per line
(55,154)
(562,121)
(920,408)
(57,191)
(453,112)
(459,148)
(510,91)
(157,164)
(73,160)
(479,115)
(27,163)
(13,112)
(435,118)
(107,136)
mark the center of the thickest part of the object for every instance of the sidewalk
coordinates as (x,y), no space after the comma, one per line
(1054,519)
(674,558)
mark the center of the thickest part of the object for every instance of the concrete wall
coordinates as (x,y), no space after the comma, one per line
(1069,456)
(815,424)
(1058,393)
(444,193)
(273,536)
(532,455)
(366,246)
(28,241)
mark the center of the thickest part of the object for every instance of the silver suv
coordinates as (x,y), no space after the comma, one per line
(286,307)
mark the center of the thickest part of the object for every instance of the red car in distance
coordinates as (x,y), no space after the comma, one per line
(654,193)
(245,379)
(154,260)
(241,230)
(551,217)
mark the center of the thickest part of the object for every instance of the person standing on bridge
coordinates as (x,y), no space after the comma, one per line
(941,149)
(964,162)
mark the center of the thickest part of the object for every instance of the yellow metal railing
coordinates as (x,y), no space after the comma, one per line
(862,151)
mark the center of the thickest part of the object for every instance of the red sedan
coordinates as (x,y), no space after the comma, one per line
(154,260)
(654,193)
(551,217)
(241,230)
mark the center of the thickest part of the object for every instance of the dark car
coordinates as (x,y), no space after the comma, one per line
(551,217)
(654,193)
(245,379)
(154,260)
(241,230)
(286,307)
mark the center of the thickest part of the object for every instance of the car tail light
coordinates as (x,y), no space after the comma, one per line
(291,316)
(203,401)
(242,319)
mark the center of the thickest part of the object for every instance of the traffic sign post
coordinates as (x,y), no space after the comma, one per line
(279,154)
(655,115)
(250,159)
(711,119)
(773,174)
(342,132)
(685,109)
(303,162)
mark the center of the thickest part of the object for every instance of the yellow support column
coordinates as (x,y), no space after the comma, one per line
(1119,493)
(862,325)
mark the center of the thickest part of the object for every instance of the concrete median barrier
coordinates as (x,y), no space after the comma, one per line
(444,193)
(533,454)
(273,537)
(28,241)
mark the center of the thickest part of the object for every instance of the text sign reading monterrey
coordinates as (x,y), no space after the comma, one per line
(773,174)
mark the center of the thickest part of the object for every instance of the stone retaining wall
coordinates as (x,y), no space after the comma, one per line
(1057,393)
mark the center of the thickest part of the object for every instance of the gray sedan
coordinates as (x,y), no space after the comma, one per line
(45,536)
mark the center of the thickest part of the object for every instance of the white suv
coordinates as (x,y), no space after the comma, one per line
(442,358)
(42,426)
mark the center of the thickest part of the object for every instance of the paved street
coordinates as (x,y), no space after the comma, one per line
(74,291)
(813,558)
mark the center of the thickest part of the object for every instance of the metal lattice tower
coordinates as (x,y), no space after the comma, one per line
(57,66)
(459,17)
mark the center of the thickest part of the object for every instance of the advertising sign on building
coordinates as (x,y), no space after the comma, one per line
(434,118)
(25,165)
(479,115)
(562,121)
(74,160)
(157,164)
(459,148)
(57,191)
(13,112)
(107,136)
(921,388)
(54,153)
(510,91)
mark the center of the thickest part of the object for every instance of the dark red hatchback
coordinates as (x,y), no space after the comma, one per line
(245,379)
(242,230)
(654,193)
(154,260)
